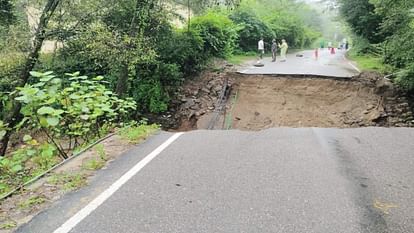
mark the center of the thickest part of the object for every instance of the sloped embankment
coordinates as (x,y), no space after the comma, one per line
(260,102)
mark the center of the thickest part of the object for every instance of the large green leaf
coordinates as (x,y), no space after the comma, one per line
(73,74)
(58,112)
(48,73)
(16,168)
(84,117)
(45,110)
(36,74)
(43,122)
(2,134)
(47,78)
(52,121)
(22,98)
(27,138)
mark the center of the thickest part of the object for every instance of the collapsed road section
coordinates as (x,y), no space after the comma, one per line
(256,102)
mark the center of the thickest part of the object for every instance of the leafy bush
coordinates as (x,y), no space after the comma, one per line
(10,64)
(25,163)
(405,79)
(399,50)
(289,27)
(361,46)
(70,109)
(252,29)
(218,32)
(93,52)
(150,96)
(186,49)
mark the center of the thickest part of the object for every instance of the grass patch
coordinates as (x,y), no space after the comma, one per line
(68,181)
(8,225)
(241,58)
(100,150)
(369,62)
(135,133)
(36,200)
(94,164)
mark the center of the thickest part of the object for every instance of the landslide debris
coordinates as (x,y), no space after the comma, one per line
(259,102)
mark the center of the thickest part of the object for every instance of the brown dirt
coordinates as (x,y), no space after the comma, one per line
(197,101)
(260,102)
(368,100)
(265,102)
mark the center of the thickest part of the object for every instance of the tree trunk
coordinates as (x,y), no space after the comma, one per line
(13,118)
(122,83)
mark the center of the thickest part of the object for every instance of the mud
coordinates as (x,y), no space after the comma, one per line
(265,102)
(260,102)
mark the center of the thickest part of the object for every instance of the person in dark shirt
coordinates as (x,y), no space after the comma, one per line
(274,50)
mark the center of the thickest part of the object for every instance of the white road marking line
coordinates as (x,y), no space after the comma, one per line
(356,68)
(83,213)
(352,65)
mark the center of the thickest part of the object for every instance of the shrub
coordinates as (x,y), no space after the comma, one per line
(70,109)
(25,163)
(150,96)
(399,50)
(251,30)
(218,32)
(405,79)
(10,65)
(186,49)
(360,46)
(288,27)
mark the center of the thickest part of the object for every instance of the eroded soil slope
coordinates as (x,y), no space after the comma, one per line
(265,102)
(260,102)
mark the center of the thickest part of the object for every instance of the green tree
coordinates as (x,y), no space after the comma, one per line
(251,29)
(361,16)
(7,16)
(14,116)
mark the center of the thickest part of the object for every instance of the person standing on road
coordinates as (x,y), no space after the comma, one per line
(274,50)
(261,48)
(283,50)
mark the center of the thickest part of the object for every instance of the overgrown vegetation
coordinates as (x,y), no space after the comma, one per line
(114,62)
(384,29)
(70,181)
(136,132)
(33,201)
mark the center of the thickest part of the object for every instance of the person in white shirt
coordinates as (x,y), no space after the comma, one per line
(261,48)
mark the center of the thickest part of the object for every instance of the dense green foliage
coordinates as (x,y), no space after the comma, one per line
(76,108)
(361,16)
(142,56)
(134,45)
(251,29)
(385,29)
(7,16)
(218,32)
(279,20)
(70,111)
(25,163)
